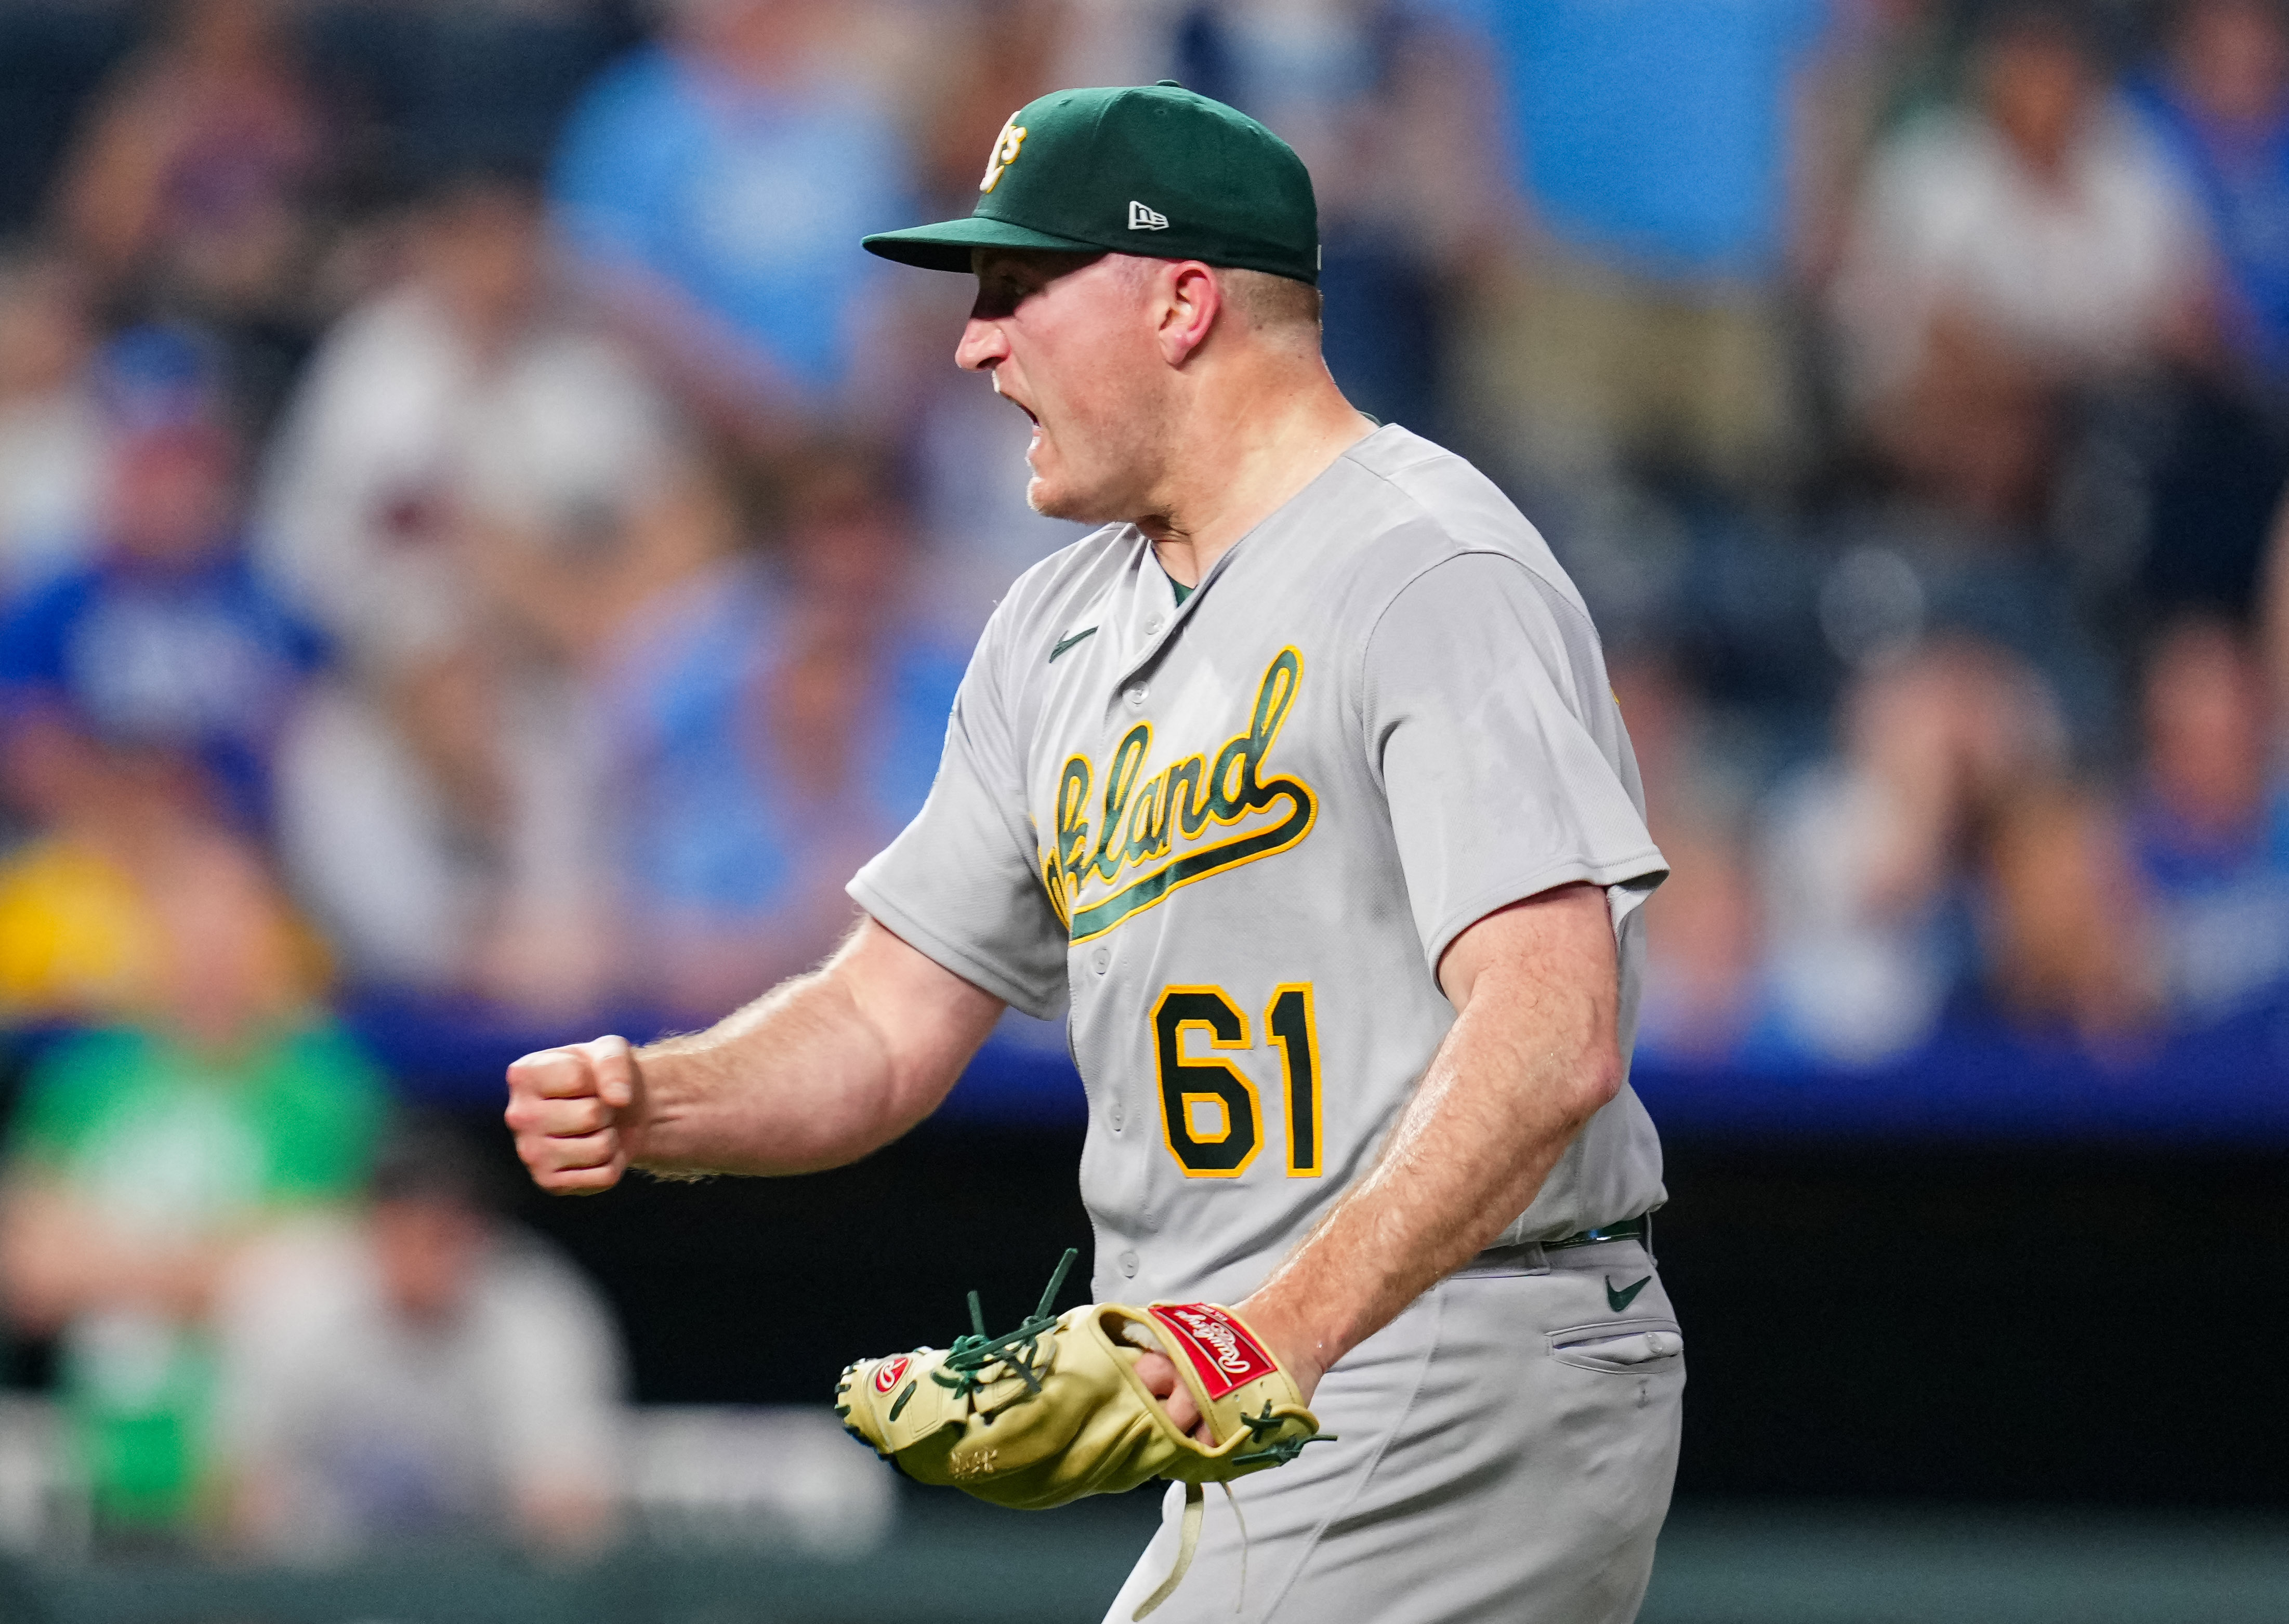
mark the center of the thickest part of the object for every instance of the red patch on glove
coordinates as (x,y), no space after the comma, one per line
(1223,1355)
(892,1372)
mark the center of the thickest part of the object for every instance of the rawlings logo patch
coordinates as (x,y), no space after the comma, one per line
(1223,1355)
(891,1372)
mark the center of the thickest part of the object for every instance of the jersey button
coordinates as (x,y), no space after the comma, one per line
(1152,627)
(1128,1264)
(1101,961)
(1118,1118)
(1136,696)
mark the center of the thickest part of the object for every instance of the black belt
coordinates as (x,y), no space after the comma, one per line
(1638,1229)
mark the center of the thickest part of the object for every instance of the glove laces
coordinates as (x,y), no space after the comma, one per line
(1188,1541)
(963,1369)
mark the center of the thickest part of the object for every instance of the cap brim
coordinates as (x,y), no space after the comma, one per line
(947,246)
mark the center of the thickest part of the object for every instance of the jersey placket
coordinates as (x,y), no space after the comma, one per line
(1145,614)
(1159,622)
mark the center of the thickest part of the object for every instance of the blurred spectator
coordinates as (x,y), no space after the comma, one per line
(1651,140)
(466,489)
(431,88)
(2223,107)
(769,741)
(2065,939)
(52,431)
(988,58)
(965,445)
(2210,823)
(1698,771)
(1866,855)
(190,189)
(141,1157)
(1880,63)
(167,640)
(1705,996)
(2021,302)
(426,1372)
(2036,238)
(79,931)
(1367,92)
(54,54)
(714,185)
(561,611)
(2210,450)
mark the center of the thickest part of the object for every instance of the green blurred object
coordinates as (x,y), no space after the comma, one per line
(173,1148)
(137,1394)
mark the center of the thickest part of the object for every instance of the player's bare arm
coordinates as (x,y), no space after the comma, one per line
(1533,1054)
(816,1073)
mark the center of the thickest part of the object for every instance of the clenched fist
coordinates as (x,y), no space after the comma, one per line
(574,1111)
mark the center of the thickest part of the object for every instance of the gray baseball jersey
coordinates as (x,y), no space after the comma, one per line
(1234,832)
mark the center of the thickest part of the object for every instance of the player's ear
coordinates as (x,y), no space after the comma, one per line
(1189,302)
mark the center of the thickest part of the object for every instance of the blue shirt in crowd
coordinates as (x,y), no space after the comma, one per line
(2243,185)
(2219,908)
(203,659)
(1653,132)
(751,203)
(711,831)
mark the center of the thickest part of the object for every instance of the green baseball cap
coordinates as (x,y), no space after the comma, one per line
(1153,169)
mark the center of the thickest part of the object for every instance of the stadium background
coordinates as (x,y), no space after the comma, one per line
(566,541)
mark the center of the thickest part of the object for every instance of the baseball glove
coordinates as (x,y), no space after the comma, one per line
(1054,1410)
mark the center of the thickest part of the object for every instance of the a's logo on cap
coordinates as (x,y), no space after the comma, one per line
(1142,219)
(1005,152)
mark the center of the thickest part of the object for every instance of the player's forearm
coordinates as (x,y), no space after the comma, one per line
(818,1072)
(1532,1056)
(792,1083)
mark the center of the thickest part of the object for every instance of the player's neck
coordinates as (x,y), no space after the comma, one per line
(1249,445)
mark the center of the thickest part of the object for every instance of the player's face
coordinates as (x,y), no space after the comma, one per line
(1068,339)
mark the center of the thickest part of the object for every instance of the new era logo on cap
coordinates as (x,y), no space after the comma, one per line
(1142,219)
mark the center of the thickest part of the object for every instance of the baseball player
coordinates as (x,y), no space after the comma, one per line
(1299,787)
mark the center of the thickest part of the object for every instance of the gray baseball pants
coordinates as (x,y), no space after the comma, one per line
(1504,1451)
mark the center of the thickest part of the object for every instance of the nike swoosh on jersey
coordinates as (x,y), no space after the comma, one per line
(1065,644)
(1622,1299)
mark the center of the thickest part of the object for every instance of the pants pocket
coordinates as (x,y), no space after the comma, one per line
(1620,1347)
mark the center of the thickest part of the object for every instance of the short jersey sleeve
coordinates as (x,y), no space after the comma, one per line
(1499,745)
(959,883)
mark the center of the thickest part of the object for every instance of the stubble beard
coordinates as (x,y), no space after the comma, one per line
(1126,453)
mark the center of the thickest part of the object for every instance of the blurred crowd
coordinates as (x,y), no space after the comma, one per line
(474,527)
